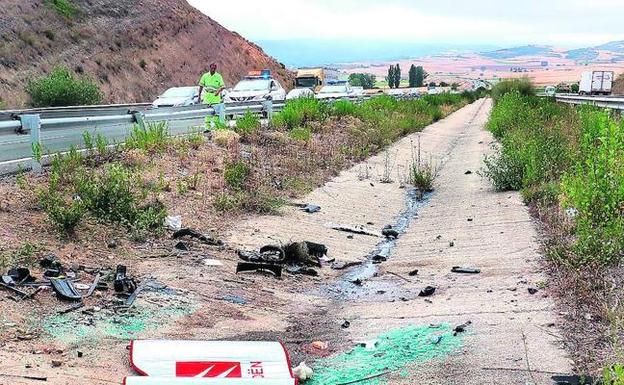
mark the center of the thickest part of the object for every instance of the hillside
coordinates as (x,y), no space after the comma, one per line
(527,50)
(134,49)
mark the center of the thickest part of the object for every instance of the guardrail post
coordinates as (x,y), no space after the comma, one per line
(139,118)
(220,111)
(267,106)
(33,124)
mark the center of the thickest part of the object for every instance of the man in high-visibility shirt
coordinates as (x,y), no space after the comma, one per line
(212,84)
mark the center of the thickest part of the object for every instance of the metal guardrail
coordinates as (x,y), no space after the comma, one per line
(612,102)
(56,129)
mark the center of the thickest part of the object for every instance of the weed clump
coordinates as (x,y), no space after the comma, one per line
(62,88)
(248,124)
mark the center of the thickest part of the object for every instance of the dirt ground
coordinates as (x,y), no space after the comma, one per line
(512,336)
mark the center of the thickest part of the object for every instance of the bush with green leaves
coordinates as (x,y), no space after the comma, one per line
(154,137)
(248,124)
(63,7)
(343,108)
(299,112)
(62,88)
(523,86)
(594,189)
(236,174)
(300,133)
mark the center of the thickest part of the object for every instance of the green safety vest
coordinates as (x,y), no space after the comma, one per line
(211,84)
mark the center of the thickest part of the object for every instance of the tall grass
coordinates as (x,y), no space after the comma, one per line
(570,158)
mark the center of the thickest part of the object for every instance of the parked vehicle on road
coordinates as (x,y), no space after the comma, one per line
(596,83)
(550,91)
(177,96)
(334,91)
(257,86)
(310,78)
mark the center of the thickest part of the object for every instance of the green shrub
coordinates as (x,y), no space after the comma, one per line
(613,375)
(64,213)
(63,7)
(236,175)
(343,108)
(594,188)
(523,86)
(505,169)
(142,63)
(298,112)
(61,88)
(299,133)
(248,124)
(153,138)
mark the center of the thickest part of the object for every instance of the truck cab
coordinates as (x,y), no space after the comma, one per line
(311,78)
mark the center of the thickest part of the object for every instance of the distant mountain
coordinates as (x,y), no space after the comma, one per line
(525,50)
(582,54)
(613,46)
(311,52)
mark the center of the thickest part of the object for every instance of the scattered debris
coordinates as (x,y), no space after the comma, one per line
(364,378)
(123,283)
(303,372)
(389,232)
(468,172)
(197,235)
(413,273)
(465,270)
(130,300)
(174,222)
(357,282)
(13,289)
(470,219)
(379,258)
(56,363)
(435,339)
(234,299)
(298,257)
(259,266)
(345,324)
(34,378)
(320,345)
(65,289)
(427,291)
(532,290)
(369,344)
(310,208)
(574,379)
(20,275)
(344,265)
(461,328)
(399,276)
(182,246)
(75,306)
(212,262)
(451,244)
(358,229)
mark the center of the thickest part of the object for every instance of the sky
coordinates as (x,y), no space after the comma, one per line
(563,23)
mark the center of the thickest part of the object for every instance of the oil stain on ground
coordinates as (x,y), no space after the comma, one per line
(394,352)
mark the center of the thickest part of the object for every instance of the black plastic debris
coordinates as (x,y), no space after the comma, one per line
(65,289)
(20,275)
(390,232)
(50,262)
(413,273)
(461,328)
(197,235)
(358,229)
(427,291)
(532,290)
(379,258)
(311,208)
(345,324)
(123,283)
(468,172)
(465,270)
(575,380)
(273,268)
(182,246)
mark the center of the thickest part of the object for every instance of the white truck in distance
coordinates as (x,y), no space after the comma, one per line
(596,83)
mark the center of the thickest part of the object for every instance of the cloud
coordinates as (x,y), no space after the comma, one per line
(556,22)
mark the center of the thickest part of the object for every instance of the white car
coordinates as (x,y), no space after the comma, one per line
(335,91)
(300,93)
(177,96)
(255,89)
